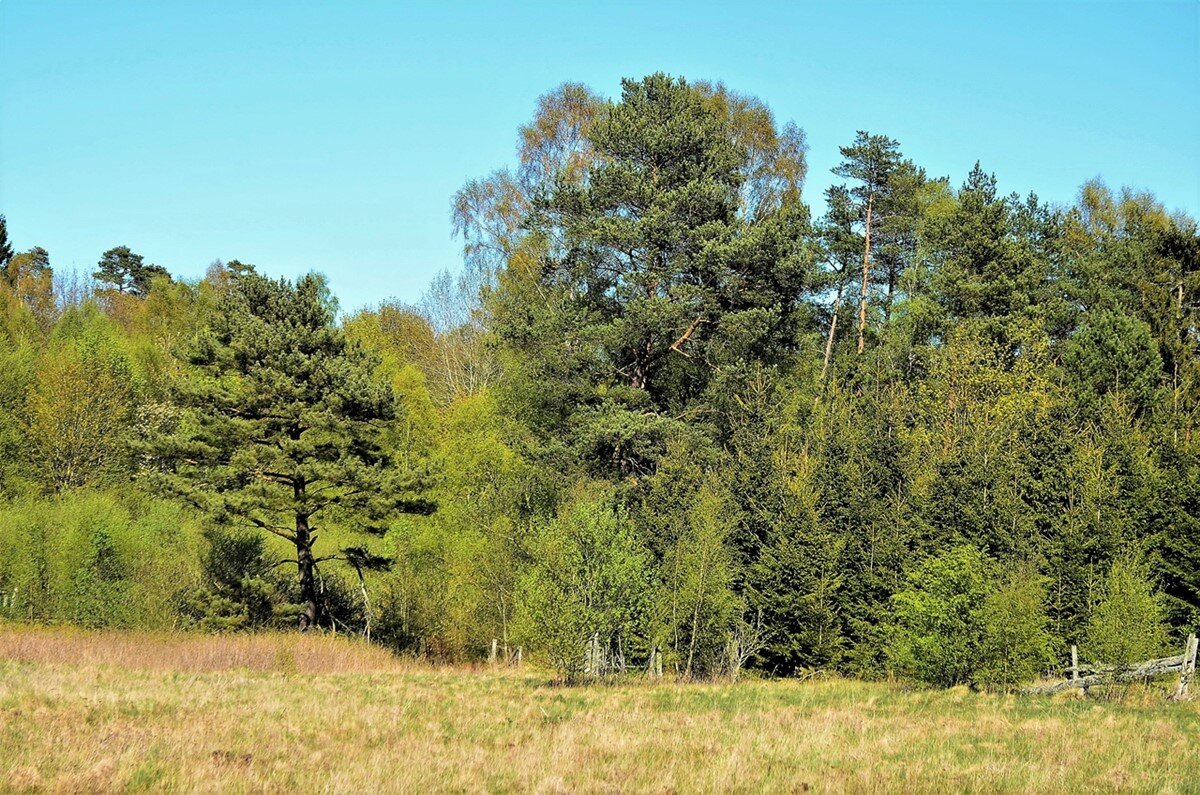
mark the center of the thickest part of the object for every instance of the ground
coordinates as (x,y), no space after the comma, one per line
(117,711)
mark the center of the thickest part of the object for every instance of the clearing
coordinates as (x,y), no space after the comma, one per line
(84,711)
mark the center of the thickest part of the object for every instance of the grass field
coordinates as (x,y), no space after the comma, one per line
(108,711)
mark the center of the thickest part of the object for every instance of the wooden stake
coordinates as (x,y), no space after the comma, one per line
(1188,669)
(1075,669)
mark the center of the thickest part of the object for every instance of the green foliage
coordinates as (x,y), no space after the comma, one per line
(6,250)
(937,618)
(1016,644)
(1127,622)
(282,423)
(127,272)
(95,559)
(699,573)
(240,585)
(81,406)
(590,578)
(958,622)
(1113,353)
(657,279)
(659,408)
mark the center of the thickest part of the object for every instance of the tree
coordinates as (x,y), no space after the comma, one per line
(654,281)
(6,250)
(1113,353)
(81,406)
(1016,645)
(127,272)
(489,213)
(241,588)
(699,572)
(30,279)
(281,423)
(937,625)
(840,246)
(993,261)
(588,591)
(1127,624)
(886,196)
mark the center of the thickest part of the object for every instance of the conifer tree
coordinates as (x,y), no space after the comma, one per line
(282,424)
(127,272)
(6,250)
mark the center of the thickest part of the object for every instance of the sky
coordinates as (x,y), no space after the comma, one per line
(330,136)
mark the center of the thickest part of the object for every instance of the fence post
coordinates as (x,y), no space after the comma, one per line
(1083,691)
(1188,669)
(492,653)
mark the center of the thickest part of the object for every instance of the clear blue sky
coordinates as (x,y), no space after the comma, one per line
(330,136)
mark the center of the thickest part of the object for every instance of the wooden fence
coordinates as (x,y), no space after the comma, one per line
(1086,676)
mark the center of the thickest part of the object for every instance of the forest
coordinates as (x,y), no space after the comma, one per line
(685,406)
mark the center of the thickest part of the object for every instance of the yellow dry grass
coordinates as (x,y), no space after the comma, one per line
(109,711)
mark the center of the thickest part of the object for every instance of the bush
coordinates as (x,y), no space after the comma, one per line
(956,623)
(591,577)
(937,619)
(95,559)
(1127,625)
(1016,645)
(240,589)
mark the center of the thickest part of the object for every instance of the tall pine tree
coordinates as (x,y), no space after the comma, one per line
(282,423)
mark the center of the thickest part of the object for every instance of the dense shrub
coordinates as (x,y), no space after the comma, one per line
(1127,623)
(591,577)
(958,621)
(95,559)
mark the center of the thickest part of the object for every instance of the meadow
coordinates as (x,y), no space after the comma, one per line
(120,711)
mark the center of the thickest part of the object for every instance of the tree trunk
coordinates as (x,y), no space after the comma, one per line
(304,560)
(308,573)
(866,270)
(837,305)
(641,366)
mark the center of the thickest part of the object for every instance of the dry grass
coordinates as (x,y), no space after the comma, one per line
(161,651)
(89,712)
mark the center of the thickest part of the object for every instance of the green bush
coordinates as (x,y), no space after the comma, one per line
(591,576)
(96,559)
(1127,625)
(1016,645)
(958,622)
(241,588)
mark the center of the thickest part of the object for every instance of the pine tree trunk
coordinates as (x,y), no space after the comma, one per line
(308,573)
(304,559)
(866,270)
(837,305)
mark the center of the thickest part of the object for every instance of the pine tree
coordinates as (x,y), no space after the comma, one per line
(656,280)
(282,423)
(127,272)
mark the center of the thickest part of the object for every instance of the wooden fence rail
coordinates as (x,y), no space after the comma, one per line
(1085,676)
